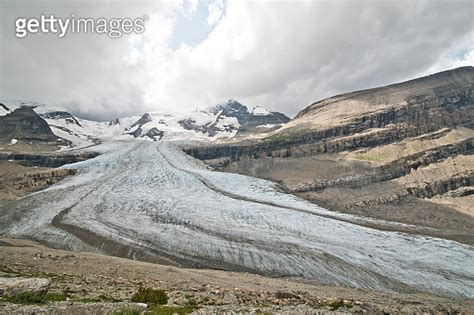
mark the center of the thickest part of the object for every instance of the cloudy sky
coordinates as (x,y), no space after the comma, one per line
(281,55)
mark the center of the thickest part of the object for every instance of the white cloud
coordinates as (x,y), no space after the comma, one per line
(286,55)
(216,9)
(277,54)
(193,5)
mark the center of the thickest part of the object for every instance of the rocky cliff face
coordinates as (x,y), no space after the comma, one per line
(368,151)
(248,121)
(25,124)
(47,159)
(257,116)
(17,180)
(371,117)
(55,115)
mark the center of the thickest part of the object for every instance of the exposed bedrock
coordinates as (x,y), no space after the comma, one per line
(394,169)
(402,152)
(439,187)
(17,184)
(445,106)
(47,160)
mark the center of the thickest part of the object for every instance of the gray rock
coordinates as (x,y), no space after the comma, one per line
(281,295)
(14,286)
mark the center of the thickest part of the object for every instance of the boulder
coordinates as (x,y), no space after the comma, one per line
(13,286)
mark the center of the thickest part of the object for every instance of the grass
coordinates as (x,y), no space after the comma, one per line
(365,157)
(127,311)
(35,298)
(100,298)
(11,273)
(150,296)
(170,310)
(155,299)
(6,269)
(283,138)
(335,305)
(192,302)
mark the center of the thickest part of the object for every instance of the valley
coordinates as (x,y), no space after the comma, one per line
(138,200)
(371,190)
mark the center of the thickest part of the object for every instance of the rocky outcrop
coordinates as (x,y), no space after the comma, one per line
(210,129)
(5,108)
(14,286)
(35,181)
(440,187)
(68,118)
(136,130)
(418,116)
(25,124)
(146,118)
(235,109)
(154,134)
(47,160)
(115,121)
(394,169)
(248,121)
(367,118)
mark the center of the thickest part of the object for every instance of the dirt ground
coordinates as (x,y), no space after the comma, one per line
(88,276)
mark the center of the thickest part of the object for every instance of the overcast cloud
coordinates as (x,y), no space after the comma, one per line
(280,55)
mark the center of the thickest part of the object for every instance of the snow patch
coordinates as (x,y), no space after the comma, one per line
(259,111)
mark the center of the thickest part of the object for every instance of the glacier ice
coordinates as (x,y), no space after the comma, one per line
(153,197)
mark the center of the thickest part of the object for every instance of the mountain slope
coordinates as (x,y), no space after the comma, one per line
(406,109)
(24,128)
(402,152)
(24,123)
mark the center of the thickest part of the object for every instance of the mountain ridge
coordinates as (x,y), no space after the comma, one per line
(404,156)
(466,70)
(223,121)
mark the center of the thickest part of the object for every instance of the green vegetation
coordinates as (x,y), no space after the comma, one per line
(35,298)
(282,138)
(192,302)
(6,269)
(127,311)
(150,296)
(55,297)
(9,272)
(100,298)
(335,305)
(155,299)
(170,310)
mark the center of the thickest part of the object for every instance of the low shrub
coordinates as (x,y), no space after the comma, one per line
(127,311)
(150,296)
(35,298)
(171,310)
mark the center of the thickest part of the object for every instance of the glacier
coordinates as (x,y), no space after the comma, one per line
(149,200)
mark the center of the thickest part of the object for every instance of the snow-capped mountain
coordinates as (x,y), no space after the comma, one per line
(4,110)
(223,121)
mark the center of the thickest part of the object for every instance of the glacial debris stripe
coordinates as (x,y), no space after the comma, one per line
(150,200)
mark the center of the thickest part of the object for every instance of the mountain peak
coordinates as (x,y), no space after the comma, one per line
(25,123)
